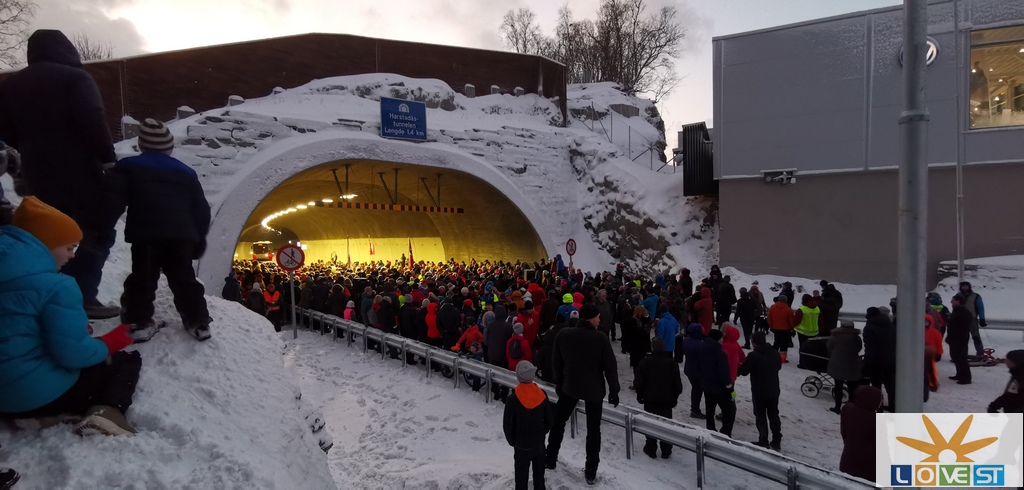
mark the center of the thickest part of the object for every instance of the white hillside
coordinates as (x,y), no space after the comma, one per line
(574,181)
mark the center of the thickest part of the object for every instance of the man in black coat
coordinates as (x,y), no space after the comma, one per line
(449,319)
(725,297)
(958,336)
(546,346)
(879,338)
(496,341)
(686,282)
(716,382)
(168,219)
(581,362)
(658,386)
(763,365)
(52,113)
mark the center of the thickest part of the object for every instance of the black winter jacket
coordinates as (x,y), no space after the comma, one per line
(407,321)
(387,317)
(763,365)
(657,379)
(544,352)
(525,428)
(52,112)
(581,361)
(714,368)
(232,291)
(448,322)
(1012,399)
(164,198)
(958,329)
(497,338)
(879,342)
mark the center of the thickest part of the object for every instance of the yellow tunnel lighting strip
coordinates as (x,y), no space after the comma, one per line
(391,207)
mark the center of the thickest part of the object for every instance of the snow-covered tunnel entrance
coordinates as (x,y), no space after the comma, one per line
(477,214)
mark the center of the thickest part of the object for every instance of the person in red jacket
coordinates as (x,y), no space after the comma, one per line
(705,310)
(433,334)
(472,342)
(530,318)
(733,351)
(525,353)
(933,343)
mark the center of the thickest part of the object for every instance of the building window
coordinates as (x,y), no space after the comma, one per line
(997,77)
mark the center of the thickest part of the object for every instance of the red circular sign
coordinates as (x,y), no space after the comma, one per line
(290,257)
(570,247)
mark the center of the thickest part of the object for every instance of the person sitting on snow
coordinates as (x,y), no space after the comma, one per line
(51,369)
(168,219)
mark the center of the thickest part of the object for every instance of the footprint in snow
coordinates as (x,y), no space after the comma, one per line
(472,424)
(433,418)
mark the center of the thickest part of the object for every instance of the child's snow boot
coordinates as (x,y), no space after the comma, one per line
(105,420)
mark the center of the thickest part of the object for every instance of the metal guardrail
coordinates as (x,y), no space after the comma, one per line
(703,443)
(993,323)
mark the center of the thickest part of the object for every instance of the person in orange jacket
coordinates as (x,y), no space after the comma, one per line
(933,343)
(780,320)
(273,298)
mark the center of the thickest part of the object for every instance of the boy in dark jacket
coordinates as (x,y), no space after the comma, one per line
(658,387)
(716,382)
(958,336)
(763,365)
(692,347)
(168,219)
(528,418)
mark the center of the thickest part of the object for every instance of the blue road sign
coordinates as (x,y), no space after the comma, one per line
(403,119)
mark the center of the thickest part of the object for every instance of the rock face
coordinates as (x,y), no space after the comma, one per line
(589,177)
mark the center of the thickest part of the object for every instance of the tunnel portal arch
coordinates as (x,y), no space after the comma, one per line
(278,165)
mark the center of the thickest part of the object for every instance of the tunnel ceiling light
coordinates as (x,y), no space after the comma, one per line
(997,98)
(311,203)
(348,196)
(292,210)
(302,206)
(327,200)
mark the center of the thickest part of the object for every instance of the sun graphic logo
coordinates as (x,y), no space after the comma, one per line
(948,450)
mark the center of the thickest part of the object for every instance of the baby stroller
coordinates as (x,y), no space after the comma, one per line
(476,353)
(814,356)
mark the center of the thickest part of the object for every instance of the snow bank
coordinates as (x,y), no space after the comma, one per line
(218,414)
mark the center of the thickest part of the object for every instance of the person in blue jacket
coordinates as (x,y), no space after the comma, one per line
(51,369)
(651,303)
(693,345)
(667,329)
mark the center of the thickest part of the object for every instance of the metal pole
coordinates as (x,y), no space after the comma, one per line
(295,323)
(913,211)
(700,462)
(961,150)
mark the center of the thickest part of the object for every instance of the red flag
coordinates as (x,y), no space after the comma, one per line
(372,252)
(411,261)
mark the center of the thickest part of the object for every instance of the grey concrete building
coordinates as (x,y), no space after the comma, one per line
(806,140)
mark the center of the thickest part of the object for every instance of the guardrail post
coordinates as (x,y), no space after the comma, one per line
(366,345)
(700,462)
(351,334)
(573,422)
(629,435)
(383,346)
(335,324)
(791,477)
(429,356)
(323,327)
(405,353)
(455,369)
(488,384)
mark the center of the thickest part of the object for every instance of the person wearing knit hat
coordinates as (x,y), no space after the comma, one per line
(527,419)
(45,331)
(762,365)
(167,223)
(517,349)
(53,114)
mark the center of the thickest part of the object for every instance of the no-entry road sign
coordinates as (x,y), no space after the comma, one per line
(290,257)
(570,247)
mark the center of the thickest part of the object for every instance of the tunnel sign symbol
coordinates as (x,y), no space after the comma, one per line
(570,247)
(290,257)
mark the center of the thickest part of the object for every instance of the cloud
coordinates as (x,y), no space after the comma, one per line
(88,17)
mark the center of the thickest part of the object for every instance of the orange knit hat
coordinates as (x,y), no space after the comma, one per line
(50,226)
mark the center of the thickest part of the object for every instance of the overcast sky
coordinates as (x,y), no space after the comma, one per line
(140,26)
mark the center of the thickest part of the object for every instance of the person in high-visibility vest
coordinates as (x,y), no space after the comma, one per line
(806,320)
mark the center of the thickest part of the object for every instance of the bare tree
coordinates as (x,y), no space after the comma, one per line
(15,16)
(625,45)
(91,50)
(521,32)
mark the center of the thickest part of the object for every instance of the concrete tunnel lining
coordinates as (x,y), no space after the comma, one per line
(278,163)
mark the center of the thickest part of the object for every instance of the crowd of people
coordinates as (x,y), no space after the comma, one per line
(564,322)
(55,144)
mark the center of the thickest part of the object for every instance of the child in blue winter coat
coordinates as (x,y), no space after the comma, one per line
(51,369)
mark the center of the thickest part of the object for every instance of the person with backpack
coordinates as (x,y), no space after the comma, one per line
(517,348)
(763,365)
(658,386)
(527,419)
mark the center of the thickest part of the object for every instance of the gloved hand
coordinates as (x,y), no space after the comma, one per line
(982,323)
(733,395)
(117,338)
(613,399)
(992,408)
(639,399)
(455,348)
(199,249)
